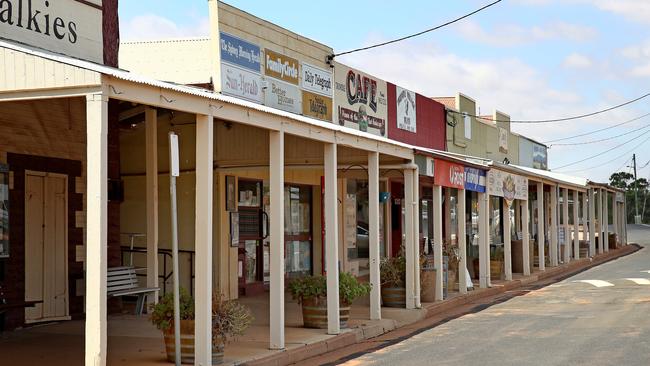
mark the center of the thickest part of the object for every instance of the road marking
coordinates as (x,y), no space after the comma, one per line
(645,271)
(639,281)
(596,283)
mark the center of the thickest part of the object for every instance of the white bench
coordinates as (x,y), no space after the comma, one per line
(123,281)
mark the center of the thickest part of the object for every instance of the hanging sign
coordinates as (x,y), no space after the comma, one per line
(240,68)
(503,140)
(475,180)
(509,186)
(284,96)
(448,174)
(361,100)
(281,67)
(406,117)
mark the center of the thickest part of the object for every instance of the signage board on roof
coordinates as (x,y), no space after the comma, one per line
(448,174)
(316,80)
(241,83)
(281,95)
(361,100)
(239,52)
(281,67)
(316,105)
(406,111)
(540,157)
(69,27)
(475,180)
(509,186)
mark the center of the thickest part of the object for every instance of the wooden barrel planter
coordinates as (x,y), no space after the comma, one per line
(496,269)
(314,313)
(187,345)
(393,297)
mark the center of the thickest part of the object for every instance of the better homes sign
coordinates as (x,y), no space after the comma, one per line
(71,27)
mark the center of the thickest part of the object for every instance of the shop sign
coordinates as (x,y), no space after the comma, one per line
(361,100)
(241,83)
(317,106)
(238,52)
(448,174)
(281,67)
(70,27)
(540,159)
(509,186)
(503,140)
(475,180)
(406,117)
(620,197)
(316,80)
(284,96)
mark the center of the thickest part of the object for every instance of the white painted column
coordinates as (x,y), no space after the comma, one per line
(151,142)
(462,241)
(554,246)
(615,216)
(373,228)
(565,222)
(416,235)
(601,221)
(592,222)
(203,239)
(483,233)
(625,218)
(541,226)
(525,220)
(276,233)
(408,231)
(96,228)
(585,215)
(331,239)
(437,239)
(507,241)
(606,219)
(576,225)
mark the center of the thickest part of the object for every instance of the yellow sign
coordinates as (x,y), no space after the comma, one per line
(317,106)
(281,67)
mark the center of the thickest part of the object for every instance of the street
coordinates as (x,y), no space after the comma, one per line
(598,317)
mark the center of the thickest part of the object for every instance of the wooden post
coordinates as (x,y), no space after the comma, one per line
(276,233)
(541,233)
(373,226)
(96,228)
(151,127)
(203,239)
(331,239)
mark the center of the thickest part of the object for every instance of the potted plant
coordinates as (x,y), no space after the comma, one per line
(393,281)
(229,319)
(452,258)
(496,262)
(311,293)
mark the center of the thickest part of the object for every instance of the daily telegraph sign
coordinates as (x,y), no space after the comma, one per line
(69,27)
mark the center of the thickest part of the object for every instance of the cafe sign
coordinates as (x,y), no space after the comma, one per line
(281,67)
(406,117)
(509,186)
(69,27)
(448,174)
(361,100)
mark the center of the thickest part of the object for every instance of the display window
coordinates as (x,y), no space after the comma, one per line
(4,211)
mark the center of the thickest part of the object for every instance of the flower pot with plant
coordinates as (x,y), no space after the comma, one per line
(311,293)
(229,319)
(393,281)
(496,262)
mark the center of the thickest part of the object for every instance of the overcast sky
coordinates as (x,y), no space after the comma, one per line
(533,59)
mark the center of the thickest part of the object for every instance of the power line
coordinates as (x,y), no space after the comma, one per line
(604,152)
(331,57)
(601,140)
(610,161)
(600,130)
(556,119)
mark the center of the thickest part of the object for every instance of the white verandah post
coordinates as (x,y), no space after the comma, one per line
(592,222)
(525,221)
(437,239)
(276,233)
(462,244)
(331,239)
(606,219)
(484,241)
(373,228)
(541,227)
(507,240)
(416,235)
(576,225)
(408,231)
(554,247)
(565,225)
(96,228)
(151,127)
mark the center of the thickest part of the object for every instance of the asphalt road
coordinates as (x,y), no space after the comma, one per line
(598,317)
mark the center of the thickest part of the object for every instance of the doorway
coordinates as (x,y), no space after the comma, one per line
(46,246)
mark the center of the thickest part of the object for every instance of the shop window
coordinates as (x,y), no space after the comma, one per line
(297,231)
(356,218)
(496,221)
(4,211)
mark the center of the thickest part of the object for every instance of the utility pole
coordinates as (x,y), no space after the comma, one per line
(636,191)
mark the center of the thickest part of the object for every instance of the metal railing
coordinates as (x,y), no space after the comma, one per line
(165,255)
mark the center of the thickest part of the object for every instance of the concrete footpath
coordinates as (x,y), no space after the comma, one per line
(367,338)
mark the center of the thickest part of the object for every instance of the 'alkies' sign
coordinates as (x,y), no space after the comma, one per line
(70,27)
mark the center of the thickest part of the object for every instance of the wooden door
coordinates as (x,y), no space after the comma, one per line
(46,270)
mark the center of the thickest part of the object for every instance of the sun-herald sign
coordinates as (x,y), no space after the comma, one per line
(69,27)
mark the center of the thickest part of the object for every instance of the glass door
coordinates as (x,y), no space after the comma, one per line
(298,247)
(251,234)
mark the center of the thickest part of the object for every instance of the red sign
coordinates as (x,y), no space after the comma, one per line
(448,174)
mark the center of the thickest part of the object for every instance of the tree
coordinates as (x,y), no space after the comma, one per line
(622,180)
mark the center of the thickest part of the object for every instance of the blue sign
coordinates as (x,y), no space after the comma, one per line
(238,52)
(475,180)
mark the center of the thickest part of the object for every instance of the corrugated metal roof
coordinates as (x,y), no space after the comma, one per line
(558,177)
(198,92)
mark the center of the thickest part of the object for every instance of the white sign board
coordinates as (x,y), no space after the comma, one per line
(406,116)
(503,140)
(241,83)
(174,166)
(281,95)
(509,186)
(69,27)
(316,80)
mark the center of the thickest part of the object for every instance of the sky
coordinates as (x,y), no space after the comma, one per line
(532,59)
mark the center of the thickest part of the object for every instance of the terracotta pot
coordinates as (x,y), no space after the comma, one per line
(314,313)
(393,297)
(187,345)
